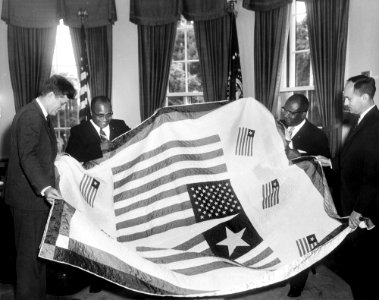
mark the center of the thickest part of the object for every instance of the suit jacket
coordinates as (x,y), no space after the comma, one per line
(311,140)
(358,166)
(84,141)
(33,150)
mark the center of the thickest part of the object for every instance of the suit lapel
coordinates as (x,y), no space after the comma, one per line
(301,131)
(111,131)
(95,135)
(50,130)
(357,129)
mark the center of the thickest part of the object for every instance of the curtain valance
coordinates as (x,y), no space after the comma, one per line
(46,13)
(264,5)
(160,12)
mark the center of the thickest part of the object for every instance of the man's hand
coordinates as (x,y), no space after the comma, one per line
(51,194)
(325,162)
(354,219)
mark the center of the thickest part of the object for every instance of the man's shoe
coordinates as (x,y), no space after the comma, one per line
(294,293)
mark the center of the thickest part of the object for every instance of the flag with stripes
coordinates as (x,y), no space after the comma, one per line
(84,108)
(173,211)
(270,194)
(234,87)
(88,187)
(245,141)
(306,244)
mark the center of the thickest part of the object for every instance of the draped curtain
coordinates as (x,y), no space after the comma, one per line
(30,53)
(327,25)
(156,21)
(99,45)
(212,40)
(270,36)
(155,44)
(31,38)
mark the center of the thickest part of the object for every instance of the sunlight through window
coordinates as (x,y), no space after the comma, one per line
(64,64)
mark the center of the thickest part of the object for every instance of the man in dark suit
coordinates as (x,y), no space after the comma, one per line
(306,139)
(358,171)
(302,135)
(89,139)
(30,181)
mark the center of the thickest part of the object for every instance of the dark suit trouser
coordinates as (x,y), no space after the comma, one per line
(30,270)
(297,283)
(360,262)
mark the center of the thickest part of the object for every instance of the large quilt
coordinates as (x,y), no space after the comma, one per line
(196,201)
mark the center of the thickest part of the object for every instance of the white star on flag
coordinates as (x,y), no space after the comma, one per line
(233,240)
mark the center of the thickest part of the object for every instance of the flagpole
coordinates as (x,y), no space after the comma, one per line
(84,107)
(234,87)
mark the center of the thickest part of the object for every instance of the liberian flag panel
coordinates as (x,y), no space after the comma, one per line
(196,201)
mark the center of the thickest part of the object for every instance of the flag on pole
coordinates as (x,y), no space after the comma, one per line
(175,211)
(84,108)
(234,88)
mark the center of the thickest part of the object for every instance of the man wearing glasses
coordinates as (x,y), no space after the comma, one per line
(300,134)
(90,139)
(305,138)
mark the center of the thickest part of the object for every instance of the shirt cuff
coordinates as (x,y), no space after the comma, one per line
(44,190)
(330,163)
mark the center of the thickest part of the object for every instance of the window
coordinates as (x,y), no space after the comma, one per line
(297,62)
(64,64)
(185,83)
(297,76)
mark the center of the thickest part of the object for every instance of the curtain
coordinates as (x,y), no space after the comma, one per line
(46,13)
(212,40)
(264,5)
(31,39)
(327,25)
(156,21)
(270,36)
(30,53)
(99,45)
(156,45)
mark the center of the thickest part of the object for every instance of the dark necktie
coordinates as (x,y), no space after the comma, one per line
(103,136)
(48,121)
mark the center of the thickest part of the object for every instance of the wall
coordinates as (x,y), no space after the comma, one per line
(363,40)
(245,31)
(125,93)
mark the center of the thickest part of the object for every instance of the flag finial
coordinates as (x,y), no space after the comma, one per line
(82,13)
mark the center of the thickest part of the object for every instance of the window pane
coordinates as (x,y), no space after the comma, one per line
(67,117)
(175,100)
(179,46)
(194,77)
(196,99)
(191,45)
(62,138)
(302,72)
(64,64)
(302,41)
(300,7)
(177,79)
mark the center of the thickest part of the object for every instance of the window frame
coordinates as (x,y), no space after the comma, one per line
(289,59)
(62,131)
(185,26)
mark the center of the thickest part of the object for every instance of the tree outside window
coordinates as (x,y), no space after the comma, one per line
(185,82)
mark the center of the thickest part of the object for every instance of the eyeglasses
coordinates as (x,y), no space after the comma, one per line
(292,112)
(102,116)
